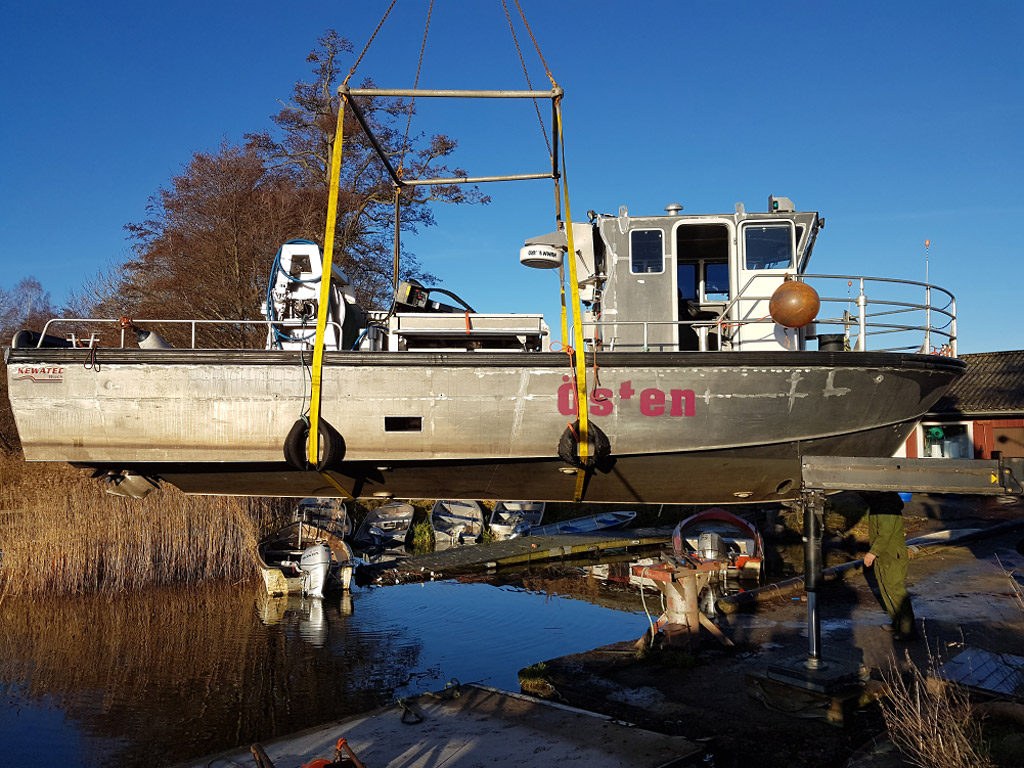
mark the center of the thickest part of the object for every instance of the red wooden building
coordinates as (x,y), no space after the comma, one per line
(982,412)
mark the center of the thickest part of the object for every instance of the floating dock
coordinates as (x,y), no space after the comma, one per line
(528,549)
(473,727)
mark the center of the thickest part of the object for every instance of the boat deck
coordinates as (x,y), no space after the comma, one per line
(481,726)
(529,549)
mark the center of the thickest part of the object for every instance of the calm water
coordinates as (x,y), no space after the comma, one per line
(173,674)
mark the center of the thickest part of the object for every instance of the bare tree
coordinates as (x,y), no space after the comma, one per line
(302,148)
(207,243)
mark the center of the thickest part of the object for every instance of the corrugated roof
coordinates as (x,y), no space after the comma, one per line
(992,384)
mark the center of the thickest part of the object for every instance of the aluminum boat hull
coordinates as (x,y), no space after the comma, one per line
(683,427)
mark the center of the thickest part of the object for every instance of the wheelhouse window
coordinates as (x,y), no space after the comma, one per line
(702,258)
(703,281)
(646,252)
(716,281)
(768,246)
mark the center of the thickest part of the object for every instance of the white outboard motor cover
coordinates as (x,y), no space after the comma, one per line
(315,565)
(293,299)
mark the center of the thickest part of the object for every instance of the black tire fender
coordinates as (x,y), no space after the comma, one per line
(599,447)
(296,449)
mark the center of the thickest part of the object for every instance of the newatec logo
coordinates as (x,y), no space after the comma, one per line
(39,375)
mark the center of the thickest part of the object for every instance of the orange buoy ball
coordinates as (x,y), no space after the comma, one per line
(794,304)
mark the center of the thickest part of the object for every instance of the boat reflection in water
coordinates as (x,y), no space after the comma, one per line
(310,616)
(171,674)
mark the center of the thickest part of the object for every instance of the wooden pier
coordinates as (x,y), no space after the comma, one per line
(528,549)
(477,726)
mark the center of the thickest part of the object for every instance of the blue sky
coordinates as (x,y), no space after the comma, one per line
(897,121)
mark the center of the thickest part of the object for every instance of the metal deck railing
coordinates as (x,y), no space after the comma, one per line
(78,338)
(877,314)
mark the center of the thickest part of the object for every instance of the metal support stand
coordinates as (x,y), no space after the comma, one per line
(813,503)
(812,673)
(691,613)
(836,684)
(681,622)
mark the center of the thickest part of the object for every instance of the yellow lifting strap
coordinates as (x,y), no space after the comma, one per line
(577,324)
(338,485)
(325,287)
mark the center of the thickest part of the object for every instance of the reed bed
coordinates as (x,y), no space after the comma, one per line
(930,720)
(61,532)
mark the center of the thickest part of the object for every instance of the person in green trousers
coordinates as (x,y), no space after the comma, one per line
(888,556)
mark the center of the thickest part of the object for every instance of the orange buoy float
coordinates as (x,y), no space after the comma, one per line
(794,304)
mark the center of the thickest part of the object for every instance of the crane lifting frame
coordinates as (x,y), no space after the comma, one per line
(554,94)
(348,96)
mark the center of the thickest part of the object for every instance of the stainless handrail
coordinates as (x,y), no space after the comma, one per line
(869,311)
(947,309)
(866,322)
(872,329)
(163,321)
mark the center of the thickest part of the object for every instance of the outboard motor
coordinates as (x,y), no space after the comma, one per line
(710,546)
(293,303)
(315,565)
(521,528)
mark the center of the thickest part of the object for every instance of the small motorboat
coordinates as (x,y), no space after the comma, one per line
(718,536)
(456,522)
(385,527)
(329,515)
(586,524)
(511,519)
(300,558)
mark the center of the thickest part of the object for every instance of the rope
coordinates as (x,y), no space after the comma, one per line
(368,42)
(91,363)
(529,85)
(325,286)
(643,600)
(415,85)
(542,61)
